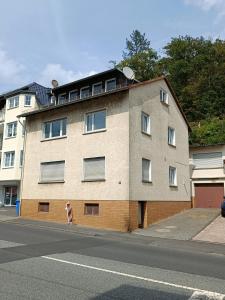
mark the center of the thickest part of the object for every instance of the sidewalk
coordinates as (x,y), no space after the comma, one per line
(7,213)
(182,226)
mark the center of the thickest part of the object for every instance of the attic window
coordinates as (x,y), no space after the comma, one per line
(164,97)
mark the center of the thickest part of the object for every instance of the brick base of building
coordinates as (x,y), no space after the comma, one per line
(117,215)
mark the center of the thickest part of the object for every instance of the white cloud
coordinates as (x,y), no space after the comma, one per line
(56,71)
(217,5)
(10,70)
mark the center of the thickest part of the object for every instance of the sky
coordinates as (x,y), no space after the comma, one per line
(41,40)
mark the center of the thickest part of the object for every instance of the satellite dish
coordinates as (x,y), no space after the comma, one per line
(129,73)
(55,83)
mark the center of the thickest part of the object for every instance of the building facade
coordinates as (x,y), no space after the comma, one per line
(207,175)
(12,137)
(117,150)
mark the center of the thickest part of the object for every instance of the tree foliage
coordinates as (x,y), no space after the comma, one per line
(196,70)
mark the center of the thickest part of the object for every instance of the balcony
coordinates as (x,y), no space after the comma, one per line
(85,94)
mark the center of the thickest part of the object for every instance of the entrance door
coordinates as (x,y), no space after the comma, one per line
(10,195)
(141,213)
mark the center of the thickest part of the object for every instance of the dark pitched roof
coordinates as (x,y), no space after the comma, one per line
(42,93)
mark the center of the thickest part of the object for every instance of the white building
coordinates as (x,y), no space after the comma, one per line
(12,104)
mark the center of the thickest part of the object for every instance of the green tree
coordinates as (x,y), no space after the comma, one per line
(139,56)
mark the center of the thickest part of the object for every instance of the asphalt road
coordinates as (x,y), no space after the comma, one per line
(43,263)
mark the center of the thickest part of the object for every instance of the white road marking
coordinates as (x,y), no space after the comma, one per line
(206,295)
(197,292)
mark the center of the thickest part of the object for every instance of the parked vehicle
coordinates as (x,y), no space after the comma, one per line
(223,208)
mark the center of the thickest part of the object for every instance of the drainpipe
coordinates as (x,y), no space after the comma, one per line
(22,167)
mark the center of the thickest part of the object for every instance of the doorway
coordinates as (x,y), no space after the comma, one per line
(10,195)
(141,213)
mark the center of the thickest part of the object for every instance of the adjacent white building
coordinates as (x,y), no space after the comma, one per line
(12,104)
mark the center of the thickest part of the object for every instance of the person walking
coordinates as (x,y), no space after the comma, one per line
(69,213)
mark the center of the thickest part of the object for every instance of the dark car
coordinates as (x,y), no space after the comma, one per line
(223,208)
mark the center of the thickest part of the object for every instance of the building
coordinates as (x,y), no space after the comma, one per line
(208,175)
(116,149)
(26,98)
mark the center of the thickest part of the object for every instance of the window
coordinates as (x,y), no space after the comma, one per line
(164,96)
(145,123)
(9,158)
(11,129)
(27,100)
(97,88)
(146,170)
(84,92)
(110,84)
(52,171)
(43,206)
(172,176)
(61,98)
(171,136)
(13,102)
(209,160)
(95,121)
(74,95)
(54,129)
(91,209)
(94,168)
(21,158)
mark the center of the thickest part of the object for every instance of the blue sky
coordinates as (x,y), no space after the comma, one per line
(68,39)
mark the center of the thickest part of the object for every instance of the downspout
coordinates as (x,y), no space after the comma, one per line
(22,167)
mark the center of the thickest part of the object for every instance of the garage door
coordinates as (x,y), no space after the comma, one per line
(209,195)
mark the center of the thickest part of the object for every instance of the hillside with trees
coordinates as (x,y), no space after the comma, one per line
(196,69)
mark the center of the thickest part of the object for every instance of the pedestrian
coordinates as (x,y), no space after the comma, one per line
(69,213)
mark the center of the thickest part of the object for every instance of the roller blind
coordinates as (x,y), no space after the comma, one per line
(207,160)
(94,168)
(52,171)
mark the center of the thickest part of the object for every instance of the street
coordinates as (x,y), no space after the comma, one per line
(45,263)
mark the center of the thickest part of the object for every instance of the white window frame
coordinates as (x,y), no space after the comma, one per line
(173,141)
(50,131)
(175,177)
(85,88)
(93,85)
(27,105)
(76,90)
(143,115)
(14,130)
(149,170)
(12,161)
(16,101)
(162,93)
(92,117)
(106,82)
(94,179)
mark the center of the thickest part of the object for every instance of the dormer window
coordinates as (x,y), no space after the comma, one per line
(164,97)
(13,102)
(74,95)
(110,84)
(84,92)
(97,88)
(61,98)
(27,100)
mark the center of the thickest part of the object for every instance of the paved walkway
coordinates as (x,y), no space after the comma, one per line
(182,226)
(214,232)
(7,213)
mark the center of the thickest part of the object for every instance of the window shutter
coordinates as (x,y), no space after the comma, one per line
(94,168)
(208,160)
(52,171)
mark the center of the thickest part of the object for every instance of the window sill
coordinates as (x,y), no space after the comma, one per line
(146,133)
(173,186)
(171,145)
(50,182)
(13,107)
(95,131)
(86,215)
(93,180)
(164,103)
(10,137)
(27,105)
(54,138)
(8,167)
(146,181)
